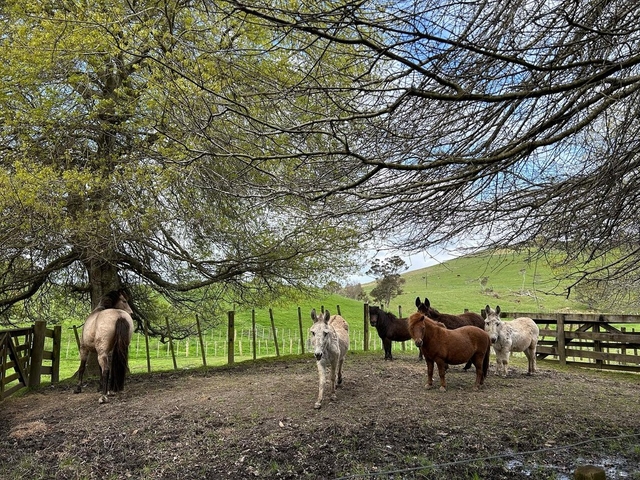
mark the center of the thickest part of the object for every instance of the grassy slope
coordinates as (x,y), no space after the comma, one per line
(514,283)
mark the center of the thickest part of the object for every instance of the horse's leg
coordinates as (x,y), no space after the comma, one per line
(442,370)
(505,363)
(321,381)
(387,349)
(340,362)
(103,361)
(531,356)
(478,360)
(84,354)
(334,375)
(429,373)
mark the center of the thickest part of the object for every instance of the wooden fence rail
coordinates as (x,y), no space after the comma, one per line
(594,341)
(22,352)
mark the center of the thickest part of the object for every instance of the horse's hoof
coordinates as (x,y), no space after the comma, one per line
(429,387)
(103,399)
(317,405)
(443,389)
(78,390)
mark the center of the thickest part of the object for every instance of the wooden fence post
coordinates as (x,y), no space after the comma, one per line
(55,358)
(37,352)
(253,331)
(173,353)
(75,332)
(597,344)
(400,316)
(230,335)
(562,353)
(146,341)
(204,356)
(301,334)
(366,327)
(275,336)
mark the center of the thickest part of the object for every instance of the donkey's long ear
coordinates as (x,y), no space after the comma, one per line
(497,309)
(487,310)
(418,302)
(314,317)
(327,315)
(427,303)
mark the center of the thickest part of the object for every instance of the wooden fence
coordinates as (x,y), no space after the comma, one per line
(22,352)
(594,341)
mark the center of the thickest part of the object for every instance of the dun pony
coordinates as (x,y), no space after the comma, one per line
(450,347)
(108,331)
(519,335)
(329,339)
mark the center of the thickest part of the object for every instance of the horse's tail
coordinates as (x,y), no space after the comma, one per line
(120,358)
(485,363)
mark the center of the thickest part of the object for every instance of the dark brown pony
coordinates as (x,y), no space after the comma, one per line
(450,347)
(450,321)
(390,328)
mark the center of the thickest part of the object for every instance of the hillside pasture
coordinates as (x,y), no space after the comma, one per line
(256,420)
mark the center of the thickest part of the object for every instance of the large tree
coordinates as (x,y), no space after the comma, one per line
(128,157)
(489,124)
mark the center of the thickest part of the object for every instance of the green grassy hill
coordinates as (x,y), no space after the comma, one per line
(511,281)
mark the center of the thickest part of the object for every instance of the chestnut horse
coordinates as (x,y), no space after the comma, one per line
(108,331)
(450,321)
(444,347)
(390,328)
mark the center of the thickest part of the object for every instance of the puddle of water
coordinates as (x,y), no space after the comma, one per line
(615,468)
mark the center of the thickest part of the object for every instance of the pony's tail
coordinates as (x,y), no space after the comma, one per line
(120,359)
(485,363)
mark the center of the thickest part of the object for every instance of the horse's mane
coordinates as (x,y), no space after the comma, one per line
(111,299)
(383,313)
(415,318)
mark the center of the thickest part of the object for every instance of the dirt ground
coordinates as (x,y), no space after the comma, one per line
(256,420)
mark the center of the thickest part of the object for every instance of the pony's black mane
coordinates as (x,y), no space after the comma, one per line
(110,299)
(381,312)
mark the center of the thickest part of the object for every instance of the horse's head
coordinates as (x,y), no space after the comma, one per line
(373,315)
(492,322)
(116,299)
(424,307)
(416,328)
(319,333)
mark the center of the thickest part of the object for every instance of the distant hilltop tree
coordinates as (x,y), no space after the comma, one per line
(388,280)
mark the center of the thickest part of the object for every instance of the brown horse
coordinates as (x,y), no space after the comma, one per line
(450,321)
(108,331)
(390,328)
(450,347)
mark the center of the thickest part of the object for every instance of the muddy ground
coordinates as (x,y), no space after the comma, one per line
(256,420)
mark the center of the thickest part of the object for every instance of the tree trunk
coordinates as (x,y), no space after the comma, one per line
(103,277)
